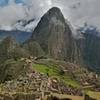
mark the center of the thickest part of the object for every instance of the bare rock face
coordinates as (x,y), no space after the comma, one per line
(55,36)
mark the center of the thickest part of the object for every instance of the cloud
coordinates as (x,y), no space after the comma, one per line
(10,13)
(23,9)
(81,11)
(76,11)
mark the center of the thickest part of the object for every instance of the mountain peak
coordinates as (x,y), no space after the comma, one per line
(54,14)
(55,9)
(54,36)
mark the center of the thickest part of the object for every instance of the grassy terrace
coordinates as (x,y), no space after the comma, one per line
(55,72)
(95,95)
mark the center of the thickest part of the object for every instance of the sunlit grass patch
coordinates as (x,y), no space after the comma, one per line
(95,95)
(53,71)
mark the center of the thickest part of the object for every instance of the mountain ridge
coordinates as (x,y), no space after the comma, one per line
(20,36)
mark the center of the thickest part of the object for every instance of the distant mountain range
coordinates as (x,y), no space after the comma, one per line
(20,36)
(21,30)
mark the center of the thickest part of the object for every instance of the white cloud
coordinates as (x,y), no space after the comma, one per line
(9,14)
(81,11)
(76,11)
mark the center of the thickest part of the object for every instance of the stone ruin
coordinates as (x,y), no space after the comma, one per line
(34,85)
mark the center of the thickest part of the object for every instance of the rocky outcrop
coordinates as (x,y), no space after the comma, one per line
(54,36)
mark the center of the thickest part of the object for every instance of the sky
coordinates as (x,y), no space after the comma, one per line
(77,12)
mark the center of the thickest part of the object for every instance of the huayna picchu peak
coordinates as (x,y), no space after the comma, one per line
(55,36)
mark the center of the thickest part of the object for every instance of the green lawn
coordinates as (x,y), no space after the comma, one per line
(95,95)
(55,72)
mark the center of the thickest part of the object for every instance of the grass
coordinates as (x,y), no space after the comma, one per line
(95,95)
(55,72)
(67,80)
(46,69)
